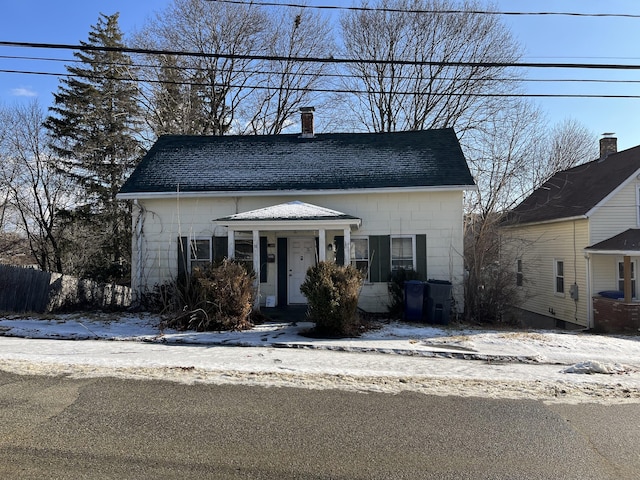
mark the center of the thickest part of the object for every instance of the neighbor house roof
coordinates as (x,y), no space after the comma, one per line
(277,163)
(627,241)
(577,191)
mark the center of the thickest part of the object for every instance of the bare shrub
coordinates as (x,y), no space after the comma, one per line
(216,297)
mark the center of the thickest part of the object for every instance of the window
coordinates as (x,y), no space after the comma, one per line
(402,253)
(199,252)
(360,255)
(621,277)
(559,275)
(519,275)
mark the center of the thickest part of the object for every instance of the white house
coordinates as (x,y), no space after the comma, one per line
(380,201)
(578,240)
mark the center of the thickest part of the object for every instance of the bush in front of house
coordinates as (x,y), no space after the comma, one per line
(216,297)
(332,293)
(396,290)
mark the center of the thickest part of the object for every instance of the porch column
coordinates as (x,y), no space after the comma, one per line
(256,267)
(347,246)
(627,279)
(322,245)
(231,244)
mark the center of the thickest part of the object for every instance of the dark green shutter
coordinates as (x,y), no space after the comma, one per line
(220,248)
(421,256)
(183,258)
(380,255)
(339,241)
(263,259)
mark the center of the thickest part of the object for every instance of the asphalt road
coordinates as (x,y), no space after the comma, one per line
(55,427)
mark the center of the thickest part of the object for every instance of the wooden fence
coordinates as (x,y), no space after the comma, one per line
(31,290)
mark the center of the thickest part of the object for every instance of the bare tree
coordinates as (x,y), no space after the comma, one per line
(426,70)
(36,189)
(201,92)
(567,144)
(286,85)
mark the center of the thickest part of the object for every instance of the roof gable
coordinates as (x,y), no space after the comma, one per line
(342,161)
(577,191)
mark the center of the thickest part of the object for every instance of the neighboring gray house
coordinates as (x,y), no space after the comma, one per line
(380,201)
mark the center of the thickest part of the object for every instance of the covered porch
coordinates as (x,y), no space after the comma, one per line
(612,269)
(299,235)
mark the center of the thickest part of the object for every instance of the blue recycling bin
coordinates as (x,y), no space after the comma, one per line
(437,301)
(413,300)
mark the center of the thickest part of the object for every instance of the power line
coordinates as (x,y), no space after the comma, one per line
(305,74)
(484,64)
(333,90)
(420,11)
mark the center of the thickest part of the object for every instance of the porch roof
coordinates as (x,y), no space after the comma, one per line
(625,243)
(295,213)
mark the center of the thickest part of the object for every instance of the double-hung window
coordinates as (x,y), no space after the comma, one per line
(621,277)
(199,252)
(360,255)
(519,275)
(559,276)
(403,253)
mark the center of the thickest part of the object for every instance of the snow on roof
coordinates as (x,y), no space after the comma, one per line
(295,210)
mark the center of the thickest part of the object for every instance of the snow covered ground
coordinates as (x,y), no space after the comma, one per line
(556,365)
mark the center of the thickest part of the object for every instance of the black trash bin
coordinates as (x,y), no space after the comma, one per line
(413,300)
(437,301)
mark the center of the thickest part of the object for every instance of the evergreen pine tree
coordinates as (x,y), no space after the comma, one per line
(94,124)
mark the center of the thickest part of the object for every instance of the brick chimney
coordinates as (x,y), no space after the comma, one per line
(306,115)
(608,145)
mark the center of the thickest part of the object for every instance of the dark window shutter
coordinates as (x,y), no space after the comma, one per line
(380,255)
(220,248)
(263,259)
(183,256)
(339,241)
(421,256)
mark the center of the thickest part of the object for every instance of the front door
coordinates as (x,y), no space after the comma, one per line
(302,255)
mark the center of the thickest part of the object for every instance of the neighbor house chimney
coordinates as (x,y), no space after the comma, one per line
(608,145)
(306,114)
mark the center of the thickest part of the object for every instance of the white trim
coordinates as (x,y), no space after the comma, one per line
(628,253)
(545,222)
(274,225)
(291,193)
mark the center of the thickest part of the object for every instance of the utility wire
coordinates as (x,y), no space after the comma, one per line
(419,11)
(331,90)
(306,74)
(484,64)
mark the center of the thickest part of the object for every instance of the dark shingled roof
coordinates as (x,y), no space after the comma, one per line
(629,240)
(287,162)
(574,192)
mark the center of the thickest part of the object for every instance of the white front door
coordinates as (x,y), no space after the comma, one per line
(302,255)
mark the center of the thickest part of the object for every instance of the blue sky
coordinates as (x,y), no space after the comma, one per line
(545,39)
